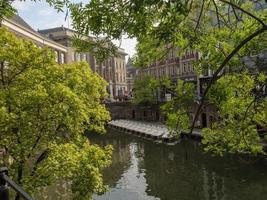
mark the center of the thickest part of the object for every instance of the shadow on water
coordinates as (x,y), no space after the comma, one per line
(143,170)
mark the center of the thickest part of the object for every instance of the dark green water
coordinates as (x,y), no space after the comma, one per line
(143,170)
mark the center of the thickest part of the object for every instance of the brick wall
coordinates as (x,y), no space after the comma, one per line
(127,110)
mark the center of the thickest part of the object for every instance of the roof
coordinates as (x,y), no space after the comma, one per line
(17,19)
(62,28)
(56,29)
(18,24)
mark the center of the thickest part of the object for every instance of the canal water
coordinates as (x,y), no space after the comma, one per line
(143,170)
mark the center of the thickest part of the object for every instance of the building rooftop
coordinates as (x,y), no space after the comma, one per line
(56,29)
(17,19)
(20,25)
(62,28)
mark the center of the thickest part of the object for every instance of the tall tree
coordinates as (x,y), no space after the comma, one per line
(44,110)
(224,32)
(147,89)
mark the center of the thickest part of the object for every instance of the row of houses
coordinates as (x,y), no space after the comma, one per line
(59,40)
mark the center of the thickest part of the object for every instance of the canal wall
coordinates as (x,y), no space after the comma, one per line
(152,113)
(127,110)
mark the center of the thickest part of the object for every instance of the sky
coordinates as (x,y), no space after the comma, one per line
(40,15)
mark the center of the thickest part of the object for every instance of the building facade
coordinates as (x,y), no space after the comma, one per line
(132,73)
(18,26)
(113,70)
(59,40)
(174,67)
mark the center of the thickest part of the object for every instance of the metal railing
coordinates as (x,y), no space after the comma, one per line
(6,183)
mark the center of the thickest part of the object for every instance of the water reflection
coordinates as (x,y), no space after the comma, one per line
(145,171)
(58,191)
(130,182)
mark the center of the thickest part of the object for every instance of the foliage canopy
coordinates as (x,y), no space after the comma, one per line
(147,89)
(224,33)
(44,110)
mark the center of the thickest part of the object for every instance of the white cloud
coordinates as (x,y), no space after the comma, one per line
(23,5)
(46,12)
(55,22)
(129,46)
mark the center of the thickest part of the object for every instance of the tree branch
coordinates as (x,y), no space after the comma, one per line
(40,158)
(2,65)
(226,60)
(244,11)
(34,146)
(200,15)
(217,13)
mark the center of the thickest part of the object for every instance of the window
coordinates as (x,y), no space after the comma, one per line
(77,56)
(62,55)
(185,68)
(117,77)
(83,57)
(73,56)
(56,56)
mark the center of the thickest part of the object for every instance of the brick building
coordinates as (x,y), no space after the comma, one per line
(174,67)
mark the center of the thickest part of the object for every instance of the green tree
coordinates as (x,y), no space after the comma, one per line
(5,9)
(177,110)
(147,89)
(222,31)
(242,109)
(44,110)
